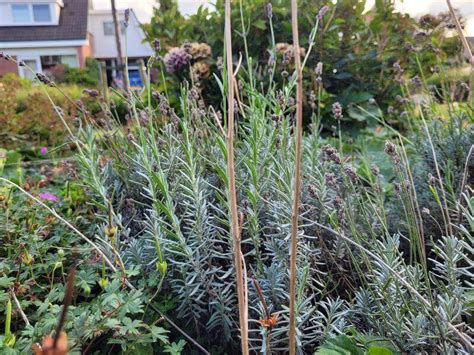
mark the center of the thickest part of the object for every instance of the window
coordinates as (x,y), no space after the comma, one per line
(41,13)
(31,14)
(109,28)
(50,61)
(21,13)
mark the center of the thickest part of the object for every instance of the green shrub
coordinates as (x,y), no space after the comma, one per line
(357,48)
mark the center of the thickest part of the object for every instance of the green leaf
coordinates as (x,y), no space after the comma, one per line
(378,350)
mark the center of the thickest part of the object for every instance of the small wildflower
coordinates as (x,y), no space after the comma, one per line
(372,101)
(426,211)
(43,151)
(390,110)
(337,111)
(48,197)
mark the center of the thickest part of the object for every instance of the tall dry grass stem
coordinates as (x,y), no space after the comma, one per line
(297,177)
(235,230)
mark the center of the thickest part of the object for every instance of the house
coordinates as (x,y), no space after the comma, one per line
(45,33)
(137,51)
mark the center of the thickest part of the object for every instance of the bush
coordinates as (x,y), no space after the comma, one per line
(88,76)
(357,49)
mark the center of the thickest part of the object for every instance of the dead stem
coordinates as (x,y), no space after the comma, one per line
(238,257)
(297,177)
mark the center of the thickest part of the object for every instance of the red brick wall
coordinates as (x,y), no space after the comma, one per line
(7,66)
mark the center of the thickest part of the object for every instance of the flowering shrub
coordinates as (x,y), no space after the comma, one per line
(358,48)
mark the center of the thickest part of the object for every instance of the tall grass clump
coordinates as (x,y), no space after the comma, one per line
(204,205)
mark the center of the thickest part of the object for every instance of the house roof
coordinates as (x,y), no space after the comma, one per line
(72,26)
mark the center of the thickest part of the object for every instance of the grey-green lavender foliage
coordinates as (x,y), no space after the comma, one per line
(167,189)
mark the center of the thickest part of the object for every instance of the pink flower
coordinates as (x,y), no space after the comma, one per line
(43,150)
(48,197)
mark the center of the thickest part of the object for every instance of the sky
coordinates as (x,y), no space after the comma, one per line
(143,8)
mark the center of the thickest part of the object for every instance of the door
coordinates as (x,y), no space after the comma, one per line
(32,66)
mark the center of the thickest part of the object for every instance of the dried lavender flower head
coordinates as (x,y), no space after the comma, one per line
(91,92)
(390,148)
(416,81)
(269,10)
(323,11)
(157,45)
(337,110)
(44,79)
(126,17)
(176,59)
(319,68)
(397,67)
(351,173)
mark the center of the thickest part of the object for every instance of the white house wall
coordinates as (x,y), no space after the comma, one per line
(104,46)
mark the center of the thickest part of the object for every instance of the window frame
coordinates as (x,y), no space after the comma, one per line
(31,17)
(48,6)
(122,27)
(28,9)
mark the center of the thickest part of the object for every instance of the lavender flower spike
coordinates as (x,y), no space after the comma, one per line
(269,10)
(323,11)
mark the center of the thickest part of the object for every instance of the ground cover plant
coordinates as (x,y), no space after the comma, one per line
(179,221)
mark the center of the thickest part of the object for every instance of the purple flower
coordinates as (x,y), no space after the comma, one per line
(48,197)
(323,11)
(269,10)
(176,59)
(337,110)
(43,150)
